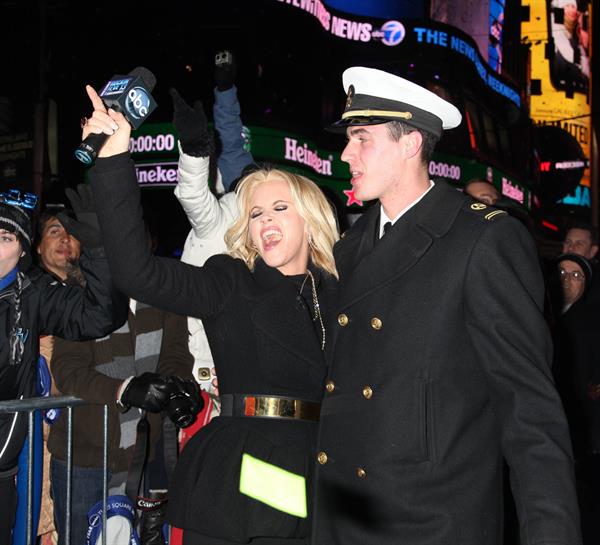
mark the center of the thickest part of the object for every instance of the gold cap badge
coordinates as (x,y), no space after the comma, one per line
(350,96)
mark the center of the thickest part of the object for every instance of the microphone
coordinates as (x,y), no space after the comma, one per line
(129,95)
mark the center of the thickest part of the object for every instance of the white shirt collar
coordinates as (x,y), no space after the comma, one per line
(383,219)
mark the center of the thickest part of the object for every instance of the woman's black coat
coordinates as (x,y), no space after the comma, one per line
(263,341)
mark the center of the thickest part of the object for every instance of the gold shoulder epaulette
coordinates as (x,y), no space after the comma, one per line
(487,212)
(491,216)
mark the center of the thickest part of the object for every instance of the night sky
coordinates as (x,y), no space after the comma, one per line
(52,49)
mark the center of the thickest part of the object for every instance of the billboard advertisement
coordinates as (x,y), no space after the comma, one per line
(559,34)
(155,153)
(350,28)
(382,9)
(496,28)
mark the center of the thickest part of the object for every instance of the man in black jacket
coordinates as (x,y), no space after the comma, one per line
(440,357)
(33,306)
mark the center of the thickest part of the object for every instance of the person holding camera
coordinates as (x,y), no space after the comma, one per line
(146,364)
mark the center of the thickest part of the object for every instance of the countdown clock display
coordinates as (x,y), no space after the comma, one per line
(152,143)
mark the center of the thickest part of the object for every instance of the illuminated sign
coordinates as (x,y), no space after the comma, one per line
(391,32)
(444,170)
(581,197)
(559,35)
(441,38)
(156,174)
(154,150)
(495,36)
(547,166)
(304,155)
(550,226)
(568,165)
(351,198)
(512,191)
(151,143)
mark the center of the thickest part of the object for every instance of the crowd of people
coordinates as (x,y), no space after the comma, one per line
(374,387)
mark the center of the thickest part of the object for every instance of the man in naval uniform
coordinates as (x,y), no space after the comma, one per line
(440,356)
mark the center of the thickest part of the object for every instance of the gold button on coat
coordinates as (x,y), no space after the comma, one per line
(361,473)
(343,320)
(376,323)
(368,392)
(322,458)
(330,386)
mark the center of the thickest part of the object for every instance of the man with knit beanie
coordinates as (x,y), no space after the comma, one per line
(29,308)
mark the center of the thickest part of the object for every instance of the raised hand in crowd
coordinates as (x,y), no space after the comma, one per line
(109,122)
(191,125)
(225,70)
(86,228)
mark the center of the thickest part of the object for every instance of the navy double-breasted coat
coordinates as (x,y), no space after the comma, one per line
(439,370)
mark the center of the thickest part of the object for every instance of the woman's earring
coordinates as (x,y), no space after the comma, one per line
(310,239)
(23,254)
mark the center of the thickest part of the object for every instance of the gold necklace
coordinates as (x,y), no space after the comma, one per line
(316,306)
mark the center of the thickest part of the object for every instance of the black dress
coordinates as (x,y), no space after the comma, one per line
(263,342)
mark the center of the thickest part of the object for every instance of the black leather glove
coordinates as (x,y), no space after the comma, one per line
(191,125)
(225,70)
(86,229)
(185,401)
(149,391)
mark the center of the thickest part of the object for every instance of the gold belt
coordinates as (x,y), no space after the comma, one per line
(269,407)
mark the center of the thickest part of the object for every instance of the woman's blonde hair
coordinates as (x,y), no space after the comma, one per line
(310,203)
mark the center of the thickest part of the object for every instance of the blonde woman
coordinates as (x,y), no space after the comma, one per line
(247,476)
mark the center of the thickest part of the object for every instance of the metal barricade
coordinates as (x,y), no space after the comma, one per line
(31,405)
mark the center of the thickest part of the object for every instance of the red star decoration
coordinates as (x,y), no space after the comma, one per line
(351,198)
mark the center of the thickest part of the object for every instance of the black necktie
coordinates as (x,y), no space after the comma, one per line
(386,227)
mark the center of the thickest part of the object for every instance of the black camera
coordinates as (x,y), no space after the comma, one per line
(185,401)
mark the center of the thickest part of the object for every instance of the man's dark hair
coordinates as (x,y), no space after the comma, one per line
(584,226)
(49,213)
(397,129)
(478,181)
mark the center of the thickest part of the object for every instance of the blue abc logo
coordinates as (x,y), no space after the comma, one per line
(393,32)
(137,102)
